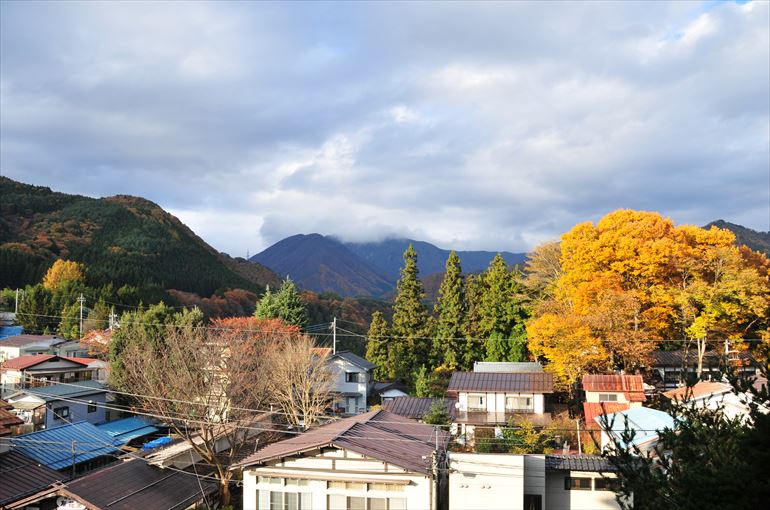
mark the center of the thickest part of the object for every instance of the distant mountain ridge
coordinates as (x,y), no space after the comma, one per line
(325,264)
(754,239)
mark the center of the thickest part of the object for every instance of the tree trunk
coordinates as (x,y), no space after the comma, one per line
(224,492)
(701,354)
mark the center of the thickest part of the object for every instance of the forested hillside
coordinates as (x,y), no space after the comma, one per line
(122,240)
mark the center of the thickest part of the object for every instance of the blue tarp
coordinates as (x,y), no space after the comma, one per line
(53,447)
(157,442)
(6,331)
(126,429)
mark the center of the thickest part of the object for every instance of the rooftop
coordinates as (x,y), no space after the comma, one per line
(26,340)
(507,366)
(417,407)
(31,360)
(525,382)
(23,477)
(356,360)
(89,442)
(593,463)
(127,429)
(54,391)
(593,409)
(644,421)
(711,359)
(700,390)
(379,435)
(7,419)
(631,385)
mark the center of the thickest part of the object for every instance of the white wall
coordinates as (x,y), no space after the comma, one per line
(593,396)
(560,499)
(486,481)
(339,465)
(342,366)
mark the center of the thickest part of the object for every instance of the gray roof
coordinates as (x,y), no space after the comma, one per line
(507,366)
(710,359)
(55,391)
(23,476)
(379,435)
(417,407)
(25,340)
(356,360)
(526,382)
(578,463)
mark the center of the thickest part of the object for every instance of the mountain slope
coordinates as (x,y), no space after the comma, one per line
(387,257)
(323,264)
(121,239)
(757,241)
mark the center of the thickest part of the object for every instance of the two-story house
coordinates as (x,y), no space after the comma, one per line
(494,398)
(354,382)
(40,369)
(610,393)
(44,407)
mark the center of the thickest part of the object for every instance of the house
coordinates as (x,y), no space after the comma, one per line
(129,485)
(667,373)
(610,393)
(21,478)
(23,345)
(713,395)
(387,391)
(79,447)
(39,369)
(9,423)
(72,349)
(494,398)
(646,423)
(530,482)
(375,460)
(417,407)
(50,406)
(354,382)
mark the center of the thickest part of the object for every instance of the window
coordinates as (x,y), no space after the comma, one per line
(351,486)
(273,500)
(608,397)
(606,484)
(577,484)
(386,487)
(477,403)
(296,482)
(91,406)
(61,413)
(271,480)
(351,376)
(519,403)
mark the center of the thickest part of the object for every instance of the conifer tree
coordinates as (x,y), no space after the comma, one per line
(267,307)
(410,349)
(422,382)
(377,347)
(502,313)
(451,309)
(69,326)
(474,348)
(291,308)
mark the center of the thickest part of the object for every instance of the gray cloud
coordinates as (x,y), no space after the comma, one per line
(472,125)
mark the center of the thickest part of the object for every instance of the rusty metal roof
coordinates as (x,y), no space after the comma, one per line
(379,435)
(593,409)
(21,477)
(417,407)
(631,385)
(525,382)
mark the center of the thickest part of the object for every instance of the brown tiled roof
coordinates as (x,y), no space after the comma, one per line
(700,389)
(529,382)
(22,476)
(631,385)
(379,435)
(23,362)
(593,409)
(7,419)
(417,407)
(135,485)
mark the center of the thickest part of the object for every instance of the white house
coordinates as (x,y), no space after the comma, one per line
(493,398)
(354,382)
(713,395)
(610,393)
(372,461)
(530,482)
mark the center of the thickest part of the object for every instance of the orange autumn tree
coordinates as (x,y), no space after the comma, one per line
(635,279)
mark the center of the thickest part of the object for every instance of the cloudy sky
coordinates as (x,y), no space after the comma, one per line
(489,126)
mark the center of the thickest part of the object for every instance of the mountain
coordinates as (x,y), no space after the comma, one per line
(756,240)
(325,264)
(122,240)
(388,257)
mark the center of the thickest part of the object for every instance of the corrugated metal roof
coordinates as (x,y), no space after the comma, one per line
(507,366)
(712,359)
(356,360)
(529,382)
(644,421)
(631,385)
(134,484)
(24,340)
(126,429)
(700,389)
(578,463)
(377,434)
(417,407)
(52,447)
(54,391)
(593,409)
(22,476)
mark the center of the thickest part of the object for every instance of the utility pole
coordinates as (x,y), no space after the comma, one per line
(580,444)
(16,310)
(74,454)
(81,300)
(112,318)
(334,336)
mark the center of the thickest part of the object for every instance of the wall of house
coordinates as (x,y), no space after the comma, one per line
(559,498)
(407,490)
(486,481)
(77,411)
(534,477)
(593,396)
(495,402)
(361,387)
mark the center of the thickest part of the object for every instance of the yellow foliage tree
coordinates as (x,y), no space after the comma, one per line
(635,279)
(63,271)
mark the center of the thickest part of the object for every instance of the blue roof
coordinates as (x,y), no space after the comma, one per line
(126,429)
(6,331)
(644,421)
(53,447)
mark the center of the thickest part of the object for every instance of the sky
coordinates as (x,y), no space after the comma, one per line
(490,126)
